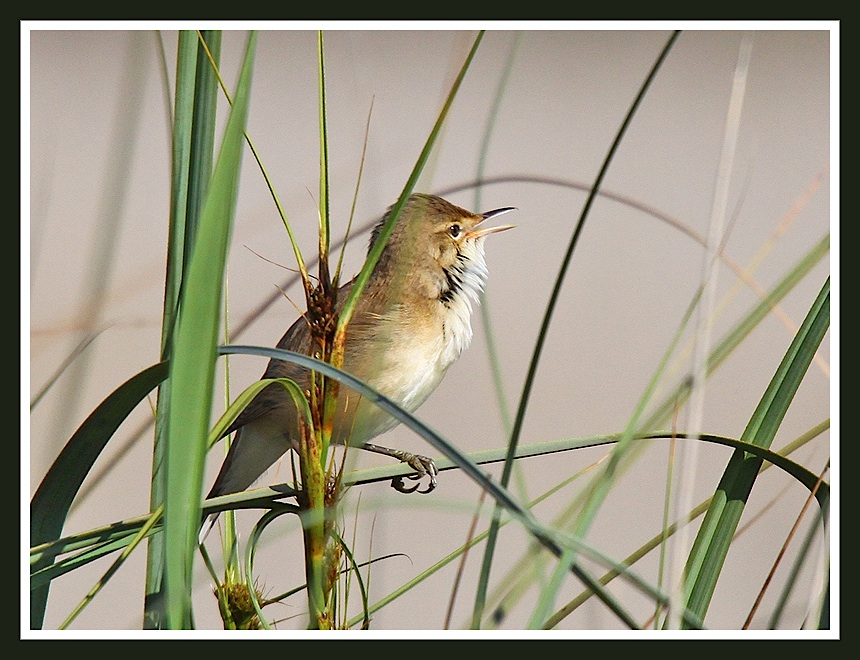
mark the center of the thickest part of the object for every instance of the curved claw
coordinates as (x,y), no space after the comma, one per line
(398,485)
(423,466)
(430,487)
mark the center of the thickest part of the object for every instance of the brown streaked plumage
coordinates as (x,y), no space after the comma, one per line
(410,324)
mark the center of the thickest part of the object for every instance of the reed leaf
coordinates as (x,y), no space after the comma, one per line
(711,545)
(191,167)
(50,504)
(192,367)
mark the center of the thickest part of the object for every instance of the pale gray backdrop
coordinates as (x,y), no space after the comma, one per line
(99,197)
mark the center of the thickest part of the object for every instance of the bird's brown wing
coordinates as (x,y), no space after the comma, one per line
(296,339)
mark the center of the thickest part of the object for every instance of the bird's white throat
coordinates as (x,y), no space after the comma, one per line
(463,285)
(409,374)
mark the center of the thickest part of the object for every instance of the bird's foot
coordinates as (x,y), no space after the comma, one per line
(422,465)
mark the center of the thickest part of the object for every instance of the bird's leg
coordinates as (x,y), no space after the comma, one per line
(421,464)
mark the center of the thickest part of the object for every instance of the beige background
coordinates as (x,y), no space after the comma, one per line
(99,199)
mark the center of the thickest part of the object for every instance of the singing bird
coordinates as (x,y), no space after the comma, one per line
(411,322)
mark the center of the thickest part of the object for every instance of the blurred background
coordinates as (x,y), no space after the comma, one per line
(99,175)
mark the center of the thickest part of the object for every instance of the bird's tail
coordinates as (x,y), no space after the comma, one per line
(255,449)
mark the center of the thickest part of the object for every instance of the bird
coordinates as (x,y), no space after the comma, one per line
(411,322)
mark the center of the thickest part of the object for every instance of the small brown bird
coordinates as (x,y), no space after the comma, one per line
(410,324)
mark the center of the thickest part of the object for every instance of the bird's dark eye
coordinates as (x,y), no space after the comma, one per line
(454,231)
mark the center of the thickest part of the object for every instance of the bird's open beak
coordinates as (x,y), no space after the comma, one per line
(478,231)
